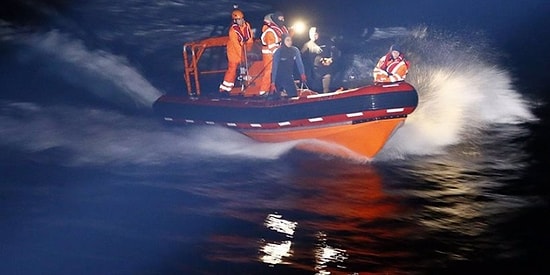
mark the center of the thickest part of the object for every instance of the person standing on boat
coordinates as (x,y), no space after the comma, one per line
(241,39)
(284,60)
(309,51)
(320,55)
(391,67)
(272,33)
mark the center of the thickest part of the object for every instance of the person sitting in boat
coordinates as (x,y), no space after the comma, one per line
(283,68)
(272,33)
(241,40)
(391,67)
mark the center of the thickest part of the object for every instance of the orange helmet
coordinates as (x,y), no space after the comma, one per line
(237,14)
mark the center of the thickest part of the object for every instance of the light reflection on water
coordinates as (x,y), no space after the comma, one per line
(300,214)
(308,213)
(274,252)
(319,221)
(325,254)
(333,217)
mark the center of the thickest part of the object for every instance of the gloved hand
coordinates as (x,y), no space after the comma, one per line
(303,78)
(272,88)
(317,49)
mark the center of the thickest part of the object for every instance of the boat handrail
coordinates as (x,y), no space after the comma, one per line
(191,54)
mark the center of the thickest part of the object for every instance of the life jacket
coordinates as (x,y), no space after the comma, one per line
(390,63)
(243,36)
(271,37)
(391,70)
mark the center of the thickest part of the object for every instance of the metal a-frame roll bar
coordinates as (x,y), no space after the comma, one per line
(192,53)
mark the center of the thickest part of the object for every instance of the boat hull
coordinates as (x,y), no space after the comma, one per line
(349,140)
(355,122)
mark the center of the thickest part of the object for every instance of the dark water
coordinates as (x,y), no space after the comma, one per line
(92,183)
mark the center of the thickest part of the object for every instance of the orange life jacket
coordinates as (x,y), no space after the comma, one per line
(272,37)
(389,69)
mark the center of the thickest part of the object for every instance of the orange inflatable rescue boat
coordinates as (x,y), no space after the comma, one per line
(347,122)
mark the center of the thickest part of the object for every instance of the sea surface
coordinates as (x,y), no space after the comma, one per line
(91,182)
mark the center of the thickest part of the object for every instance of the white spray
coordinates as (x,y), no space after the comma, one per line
(104,74)
(460,93)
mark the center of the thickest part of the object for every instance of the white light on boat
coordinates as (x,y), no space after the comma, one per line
(230,124)
(285,123)
(299,27)
(210,122)
(255,125)
(168,119)
(189,121)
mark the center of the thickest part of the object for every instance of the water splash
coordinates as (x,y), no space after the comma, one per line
(77,137)
(378,33)
(461,92)
(104,74)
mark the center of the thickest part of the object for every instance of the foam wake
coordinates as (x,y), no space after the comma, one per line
(104,74)
(84,136)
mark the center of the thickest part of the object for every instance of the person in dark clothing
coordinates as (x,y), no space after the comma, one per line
(320,53)
(309,51)
(283,68)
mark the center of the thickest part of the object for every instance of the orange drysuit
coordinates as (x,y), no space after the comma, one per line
(239,38)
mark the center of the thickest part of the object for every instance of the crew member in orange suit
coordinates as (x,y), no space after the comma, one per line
(391,67)
(241,39)
(272,33)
